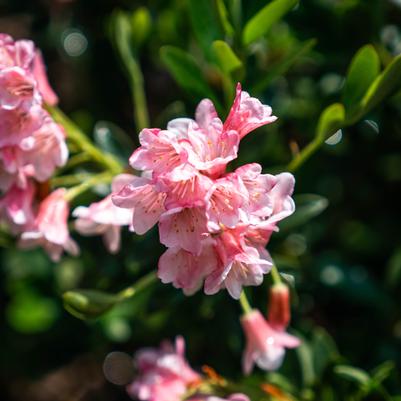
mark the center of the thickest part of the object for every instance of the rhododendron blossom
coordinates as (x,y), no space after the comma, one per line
(32,144)
(265,345)
(104,218)
(50,230)
(163,374)
(215,224)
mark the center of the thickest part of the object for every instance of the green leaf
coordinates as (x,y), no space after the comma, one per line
(224,20)
(204,23)
(280,68)
(305,357)
(364,68)
(85,304)
(28,312)
(307,207)
(384,85)
(324,350)
(353,374)
(331,119)
(382,372)
(141,23)
(225,56)
(261,22)
(186,72)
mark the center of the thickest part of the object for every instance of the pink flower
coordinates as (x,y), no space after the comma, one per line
(146,202)
(163,374)
(184,227)
(265,346)
(215,225)
(224,202)
(16,206)
(239,265)
(159,152)
(50,229)
(185,270)
(104,218)
(247,113)
(39,72)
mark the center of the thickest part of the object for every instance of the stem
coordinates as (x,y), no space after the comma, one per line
(101,178)
(305,154)
(275,275)
(245,305)
(83,142)
(69,180)
(141,284)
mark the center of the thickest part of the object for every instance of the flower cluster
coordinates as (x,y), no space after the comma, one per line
(267,339)
(215,223)
(165,375)
(32,144)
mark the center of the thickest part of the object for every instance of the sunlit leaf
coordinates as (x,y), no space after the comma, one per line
(331,119)
(384,85)
(227,60)
(260,23)
(353,374)
(307,207)
(364,68)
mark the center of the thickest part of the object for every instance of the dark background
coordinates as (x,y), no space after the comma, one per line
(346,262)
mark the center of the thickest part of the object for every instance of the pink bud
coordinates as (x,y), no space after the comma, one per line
(279,313)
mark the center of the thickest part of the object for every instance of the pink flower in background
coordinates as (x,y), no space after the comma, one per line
(50,230)
(279,311)
(16,206)
(163,374)
(104,218)
(32,146)
(215,224)
(265,345)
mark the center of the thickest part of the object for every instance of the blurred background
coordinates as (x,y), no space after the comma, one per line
(345,262)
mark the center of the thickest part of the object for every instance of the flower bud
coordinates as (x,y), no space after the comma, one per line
(279,313)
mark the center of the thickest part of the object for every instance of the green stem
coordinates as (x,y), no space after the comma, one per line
(141,284)
(69,180)
(75,134)
(305,154)
(275,275)
(245,305)
(101,178)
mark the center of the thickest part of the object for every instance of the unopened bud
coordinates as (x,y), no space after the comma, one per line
(279,313)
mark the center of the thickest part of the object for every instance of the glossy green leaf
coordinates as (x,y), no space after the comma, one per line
(330,120)
(186,72)
(225,56)
(307,207)
(204,23)
(388,82)
(141,23)
(260,23)
(224,19)
(364,68)
(85,304)
(353,374)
